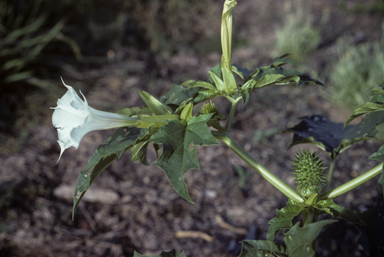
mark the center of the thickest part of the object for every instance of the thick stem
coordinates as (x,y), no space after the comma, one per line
(264,172)
(231,113)
(352,183)
(330,174)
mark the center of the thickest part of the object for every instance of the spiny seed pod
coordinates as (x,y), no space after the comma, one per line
(209,108)
(308,171)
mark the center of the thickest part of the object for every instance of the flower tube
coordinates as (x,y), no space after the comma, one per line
(74,118)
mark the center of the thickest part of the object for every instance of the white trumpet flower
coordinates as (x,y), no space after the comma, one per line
(74,118)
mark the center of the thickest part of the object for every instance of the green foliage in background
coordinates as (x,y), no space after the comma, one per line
(22,40)
(298,36)
(30,49)
(357,70)
(369,6)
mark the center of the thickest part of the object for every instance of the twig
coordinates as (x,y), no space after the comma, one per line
(223,224)
(194,234)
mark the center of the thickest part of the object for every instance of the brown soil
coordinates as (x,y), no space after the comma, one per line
(133,207)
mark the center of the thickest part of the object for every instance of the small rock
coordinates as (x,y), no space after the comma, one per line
(93,195)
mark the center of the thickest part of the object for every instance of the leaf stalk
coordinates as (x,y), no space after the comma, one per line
(264,172)
(330,174)
(352,183)
(232,112)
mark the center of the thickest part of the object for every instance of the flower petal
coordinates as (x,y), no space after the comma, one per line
(73,118)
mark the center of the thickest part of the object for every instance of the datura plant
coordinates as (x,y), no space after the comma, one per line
(174,126)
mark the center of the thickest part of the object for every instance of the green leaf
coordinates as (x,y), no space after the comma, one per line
(220,85)
(363,109)
(139,152)
(230,84)
(182,105)
(330,136)
(374,105)
(244,90)
(268,80)
(172,253)
(311,200)
(275,75)
(298,240)
(281,60)
(202,84)
(259,248)
(155,105)
(283,219)
(299,77)
(379,155)
(186,114)
(207,94)
(216,71)
(336,210)
(238,70)
(176,138)
(179,94)
(114,147)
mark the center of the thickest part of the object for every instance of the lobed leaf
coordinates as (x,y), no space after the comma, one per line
(296,77)
(259,248)
(336,210)
(331,136)
(298,240)
(176,138)
(105,154)
(273,74)
(178,94)
(283,219)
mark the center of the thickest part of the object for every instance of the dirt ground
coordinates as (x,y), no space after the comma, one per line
(133,207)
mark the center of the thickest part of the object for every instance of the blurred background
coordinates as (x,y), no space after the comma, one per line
(110,50)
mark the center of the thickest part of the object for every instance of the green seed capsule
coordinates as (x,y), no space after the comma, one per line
(209,108)
(308,171)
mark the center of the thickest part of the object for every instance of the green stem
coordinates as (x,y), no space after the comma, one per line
(352,183)
(231,113)
(264,172)
(330,174)
(308,216)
